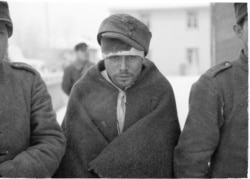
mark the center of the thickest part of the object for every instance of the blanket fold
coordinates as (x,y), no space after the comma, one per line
(144,149)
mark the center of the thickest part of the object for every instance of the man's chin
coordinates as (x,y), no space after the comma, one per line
(123,82)
(123,85)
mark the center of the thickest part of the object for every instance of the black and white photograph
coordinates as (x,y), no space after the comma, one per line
(123,89)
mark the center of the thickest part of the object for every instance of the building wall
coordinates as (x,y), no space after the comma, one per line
(171,38)
(226,44)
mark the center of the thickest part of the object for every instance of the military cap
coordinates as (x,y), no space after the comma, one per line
(81,46)
(127,29)
(5,16)
(240,11)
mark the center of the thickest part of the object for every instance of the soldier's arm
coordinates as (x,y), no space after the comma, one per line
(67,83)
(84,140)
(47,142)
(200,136)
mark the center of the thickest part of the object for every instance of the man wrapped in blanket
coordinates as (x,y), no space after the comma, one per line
(121,119)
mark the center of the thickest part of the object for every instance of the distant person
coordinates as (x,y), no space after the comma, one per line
(214,142)
(32,143)
(121,119)
(77,69)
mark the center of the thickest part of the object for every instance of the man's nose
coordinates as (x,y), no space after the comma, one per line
(123,65)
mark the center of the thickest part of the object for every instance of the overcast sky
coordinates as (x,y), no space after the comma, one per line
(74,19)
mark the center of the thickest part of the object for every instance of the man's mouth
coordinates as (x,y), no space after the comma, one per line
(123,76)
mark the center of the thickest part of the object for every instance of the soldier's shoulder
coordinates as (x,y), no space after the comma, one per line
(218,69)
(23,66)
(69,67)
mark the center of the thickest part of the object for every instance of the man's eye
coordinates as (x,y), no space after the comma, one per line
(133,58)
(114,58)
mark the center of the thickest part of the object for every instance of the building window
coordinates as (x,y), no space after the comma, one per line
(192,60)
(192,20)
(192,56)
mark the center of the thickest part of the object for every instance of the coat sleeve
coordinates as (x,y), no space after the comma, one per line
(146,148)
(84,141)
(67,82)
(47,142)
(200,136)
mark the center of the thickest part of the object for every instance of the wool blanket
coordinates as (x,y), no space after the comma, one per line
(151,129)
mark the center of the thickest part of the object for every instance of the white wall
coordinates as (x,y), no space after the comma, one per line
(171,37)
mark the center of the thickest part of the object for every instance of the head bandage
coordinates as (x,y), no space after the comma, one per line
(131,52)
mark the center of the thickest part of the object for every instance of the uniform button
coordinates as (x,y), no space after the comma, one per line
(227,64)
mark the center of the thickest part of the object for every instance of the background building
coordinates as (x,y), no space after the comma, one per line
(181,37)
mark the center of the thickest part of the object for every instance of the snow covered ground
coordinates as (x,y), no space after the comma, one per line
(61,113)
(181,86)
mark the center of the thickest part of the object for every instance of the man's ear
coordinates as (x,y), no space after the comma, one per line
(238,31)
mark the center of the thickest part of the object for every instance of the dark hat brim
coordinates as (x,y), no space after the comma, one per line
(241,17)
(9,25)
(240,11)
(122,38)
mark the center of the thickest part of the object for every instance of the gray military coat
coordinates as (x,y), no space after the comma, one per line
(31,141)
(214,142)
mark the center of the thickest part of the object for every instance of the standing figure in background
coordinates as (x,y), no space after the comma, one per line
(214,142)
(121,119)
(32,143)
(77,69)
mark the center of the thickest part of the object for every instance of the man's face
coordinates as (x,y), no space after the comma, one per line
(242,33)
(123,70)
(3,40)
(245,34)
(81,55)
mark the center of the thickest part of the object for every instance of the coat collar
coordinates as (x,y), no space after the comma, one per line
(243,61)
